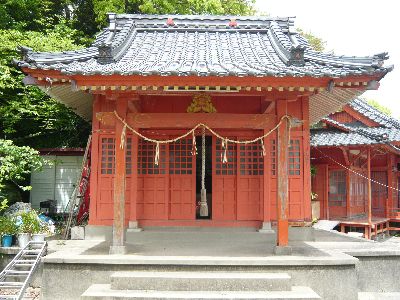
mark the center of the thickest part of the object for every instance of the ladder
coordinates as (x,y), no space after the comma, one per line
(16,276)
(79,190)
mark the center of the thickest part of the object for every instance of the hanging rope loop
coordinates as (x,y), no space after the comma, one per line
(204,127)
(203,195)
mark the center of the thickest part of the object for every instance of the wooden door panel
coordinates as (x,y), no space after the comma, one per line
(152,190)
(224,199)
(337,193)
(379,193)
(182,173)
(250,182)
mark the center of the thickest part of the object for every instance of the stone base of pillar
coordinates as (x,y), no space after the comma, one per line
(118,250)
(283,250)
(134,227)
(266,228)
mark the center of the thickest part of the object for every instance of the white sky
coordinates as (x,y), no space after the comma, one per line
(351,27)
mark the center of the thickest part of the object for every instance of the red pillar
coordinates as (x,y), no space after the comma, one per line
(94,167)
(369,193)
(266,225)
(133,224)
(389,200)
(306,160)
(283,144)
(118,236)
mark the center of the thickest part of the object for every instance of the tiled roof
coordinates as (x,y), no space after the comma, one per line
(323,137)
(374,114)
(357,133)
(202,46)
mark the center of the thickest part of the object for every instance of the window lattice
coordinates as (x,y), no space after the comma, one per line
(146,158)
(273,157)
(128,162)
(251,159)
(107,155)
(294,157)
(228,168)
(180,157)
(337,188)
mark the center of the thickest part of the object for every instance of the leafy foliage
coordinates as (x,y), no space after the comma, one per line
(16,162)
(315,42)
(28,115)
(379,107)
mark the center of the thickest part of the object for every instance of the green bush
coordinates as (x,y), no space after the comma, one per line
(30,223)
(8,226)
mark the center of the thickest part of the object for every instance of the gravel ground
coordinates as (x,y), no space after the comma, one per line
(30,293)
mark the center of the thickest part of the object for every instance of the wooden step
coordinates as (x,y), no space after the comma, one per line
(104,292)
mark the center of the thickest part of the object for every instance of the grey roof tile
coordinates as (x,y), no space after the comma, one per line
(358,133)
(201,46)
(373,114)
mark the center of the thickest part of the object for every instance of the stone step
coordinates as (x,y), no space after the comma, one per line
(202,281)
(104,292)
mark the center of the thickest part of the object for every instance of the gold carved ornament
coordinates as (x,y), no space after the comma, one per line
(201,103)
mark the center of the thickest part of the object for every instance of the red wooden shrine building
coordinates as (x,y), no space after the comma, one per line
(162,76)
(348,148)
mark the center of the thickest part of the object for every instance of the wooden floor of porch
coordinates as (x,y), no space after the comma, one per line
(370,229)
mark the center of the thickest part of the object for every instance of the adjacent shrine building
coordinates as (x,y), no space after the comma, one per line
(350,148)
(252,83)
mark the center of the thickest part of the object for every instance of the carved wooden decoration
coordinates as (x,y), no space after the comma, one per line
(201,103)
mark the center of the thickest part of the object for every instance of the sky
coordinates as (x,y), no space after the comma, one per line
(351,27)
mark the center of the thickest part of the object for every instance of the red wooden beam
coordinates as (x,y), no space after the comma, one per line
(189,120)
(118,236)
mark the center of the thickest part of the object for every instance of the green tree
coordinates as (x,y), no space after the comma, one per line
(28,115)
(379,107)
(98,9)
(16,163)
(315,42)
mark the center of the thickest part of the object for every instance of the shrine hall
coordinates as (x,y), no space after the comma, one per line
(200,120)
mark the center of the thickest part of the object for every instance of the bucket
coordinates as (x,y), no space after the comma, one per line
(38,237)
(23,239)
(6,240)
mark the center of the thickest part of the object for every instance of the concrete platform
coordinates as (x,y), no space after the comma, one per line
(334,265)
(104,291)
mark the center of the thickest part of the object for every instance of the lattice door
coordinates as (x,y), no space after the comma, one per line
(379,193)
(152,199)
(250,182)
(182,173)
(224,182)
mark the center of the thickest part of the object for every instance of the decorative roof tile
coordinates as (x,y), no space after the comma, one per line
(202,46)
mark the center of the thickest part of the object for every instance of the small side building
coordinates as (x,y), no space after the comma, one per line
(56,181)
(348,148)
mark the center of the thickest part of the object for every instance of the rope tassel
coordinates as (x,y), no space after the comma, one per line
(157,156)
(123,135)
(194,147)
(262,148)
(225,146)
